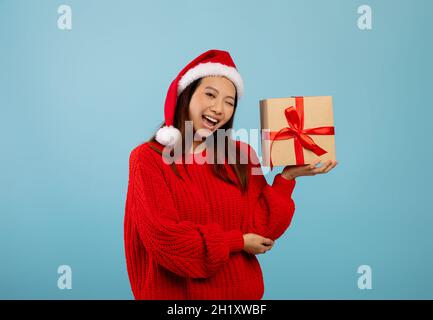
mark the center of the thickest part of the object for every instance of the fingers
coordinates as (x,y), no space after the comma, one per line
(332,166)
(323,167)
(258,244)
(313,165)
(267,245)
(311,169)
(326,167)
(267,242)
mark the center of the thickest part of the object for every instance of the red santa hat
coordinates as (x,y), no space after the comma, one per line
(209,63)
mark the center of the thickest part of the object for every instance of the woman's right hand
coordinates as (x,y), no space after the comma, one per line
(256,244)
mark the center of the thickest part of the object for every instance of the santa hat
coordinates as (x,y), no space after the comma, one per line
(209,63)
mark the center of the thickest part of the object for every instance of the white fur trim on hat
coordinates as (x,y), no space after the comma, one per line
(168,136)
(211,69)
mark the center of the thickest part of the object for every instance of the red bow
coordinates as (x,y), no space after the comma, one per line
(295,130)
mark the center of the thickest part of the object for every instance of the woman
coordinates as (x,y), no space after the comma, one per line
(193,230)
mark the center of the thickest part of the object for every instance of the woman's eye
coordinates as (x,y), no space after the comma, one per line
(230,104)
(210,94)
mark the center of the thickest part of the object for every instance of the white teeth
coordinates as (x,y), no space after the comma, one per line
(211,119)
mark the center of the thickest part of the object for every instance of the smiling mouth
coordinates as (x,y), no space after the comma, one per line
(209,122)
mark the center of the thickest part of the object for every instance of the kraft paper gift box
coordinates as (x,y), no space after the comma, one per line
(297,130)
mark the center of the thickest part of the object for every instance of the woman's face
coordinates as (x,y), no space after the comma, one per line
(212,104)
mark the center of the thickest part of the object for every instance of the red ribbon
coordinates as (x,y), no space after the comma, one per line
(295,130)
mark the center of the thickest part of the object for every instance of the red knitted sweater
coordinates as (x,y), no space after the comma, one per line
(184,238)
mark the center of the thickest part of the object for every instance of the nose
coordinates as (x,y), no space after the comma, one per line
(217,107)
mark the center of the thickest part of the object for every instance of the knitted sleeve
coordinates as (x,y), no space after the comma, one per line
(187,249)
(272,207)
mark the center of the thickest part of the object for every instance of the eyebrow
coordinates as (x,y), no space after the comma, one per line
(209,87)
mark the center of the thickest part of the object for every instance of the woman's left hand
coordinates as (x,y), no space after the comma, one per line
(293,171)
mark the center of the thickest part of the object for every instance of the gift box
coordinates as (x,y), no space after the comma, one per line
(297,130)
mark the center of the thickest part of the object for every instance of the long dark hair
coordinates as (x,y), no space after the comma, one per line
(239,167)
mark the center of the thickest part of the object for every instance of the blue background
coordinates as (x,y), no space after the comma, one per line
(75,103)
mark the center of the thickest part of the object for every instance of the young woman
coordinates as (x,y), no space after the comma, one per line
(192,229)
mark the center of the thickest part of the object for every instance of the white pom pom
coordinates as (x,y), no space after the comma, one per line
(168,136)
